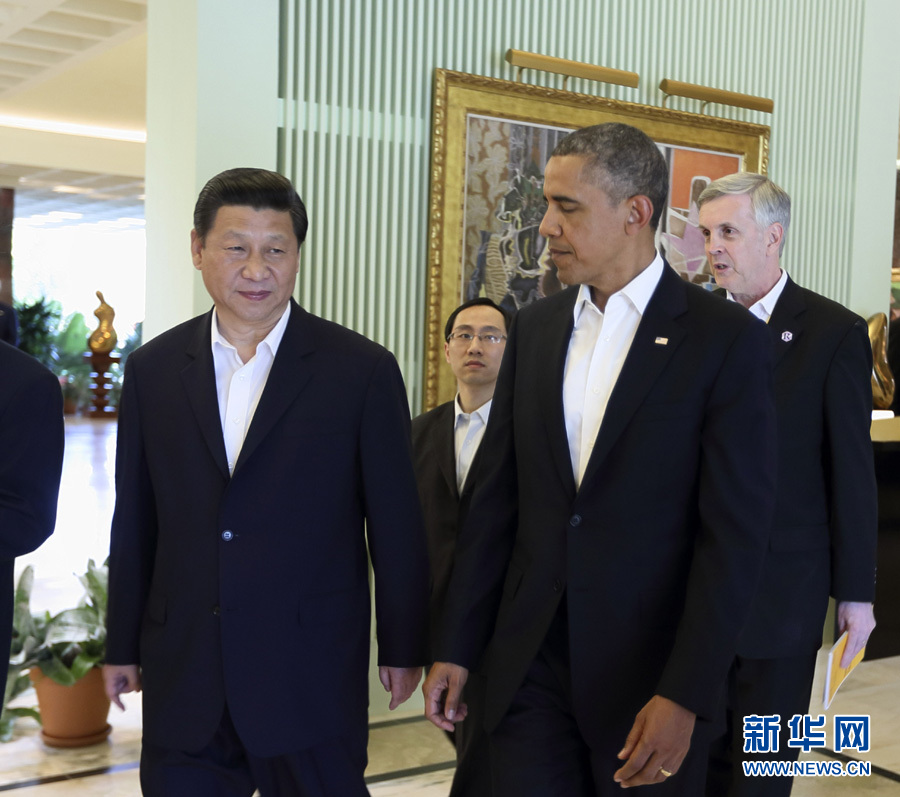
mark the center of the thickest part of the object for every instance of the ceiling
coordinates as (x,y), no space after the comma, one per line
(96,197)
(81,62)
(77,62)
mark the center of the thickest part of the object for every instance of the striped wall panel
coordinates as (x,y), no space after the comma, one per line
(355,125)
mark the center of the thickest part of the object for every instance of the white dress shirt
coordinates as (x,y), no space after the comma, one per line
(764,308)
(597,349)
(468,431)
(239,385)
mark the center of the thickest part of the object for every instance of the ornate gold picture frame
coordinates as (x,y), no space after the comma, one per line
(490,142)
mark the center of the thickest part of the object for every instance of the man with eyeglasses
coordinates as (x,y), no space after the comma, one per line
(446,441)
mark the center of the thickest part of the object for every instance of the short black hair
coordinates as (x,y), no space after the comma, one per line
(624,162)
(481,300)
(259,189)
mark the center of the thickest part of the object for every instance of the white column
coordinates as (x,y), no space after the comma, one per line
(870,203)
(212,104)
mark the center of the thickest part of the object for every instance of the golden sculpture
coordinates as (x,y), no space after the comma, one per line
(103,338)
(882,378)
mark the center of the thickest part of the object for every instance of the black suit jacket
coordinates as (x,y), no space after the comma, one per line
(660,549)
(253,588)
(826,512)
(434,457)
(9,327)
(31,455)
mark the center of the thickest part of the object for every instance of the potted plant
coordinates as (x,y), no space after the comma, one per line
(27,633)
(62,655)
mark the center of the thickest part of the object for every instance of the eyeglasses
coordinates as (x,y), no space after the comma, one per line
(466,338)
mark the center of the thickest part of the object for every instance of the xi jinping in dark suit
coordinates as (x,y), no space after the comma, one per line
(263,455)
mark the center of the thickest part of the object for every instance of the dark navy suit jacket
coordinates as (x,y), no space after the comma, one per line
(826,512)
(253,588)
(31,455)
(659,551)
(434,456)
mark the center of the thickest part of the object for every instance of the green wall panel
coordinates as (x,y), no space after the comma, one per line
(356,105)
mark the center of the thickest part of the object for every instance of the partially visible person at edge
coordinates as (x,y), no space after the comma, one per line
(32,436)
(826,515)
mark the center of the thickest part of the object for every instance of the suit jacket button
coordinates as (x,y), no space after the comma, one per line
(228,536)
(557,585)
(217,611)
(575,520)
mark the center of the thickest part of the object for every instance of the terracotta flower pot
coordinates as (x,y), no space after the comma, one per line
(72,716)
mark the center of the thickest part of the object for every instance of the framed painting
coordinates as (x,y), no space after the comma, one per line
(490,142)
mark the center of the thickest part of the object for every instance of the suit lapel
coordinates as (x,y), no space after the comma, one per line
(199,380)
(785,325)
(658,336)
(287,379)
(553,347)
(444,447)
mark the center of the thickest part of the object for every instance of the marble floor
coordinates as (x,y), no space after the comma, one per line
(407,756)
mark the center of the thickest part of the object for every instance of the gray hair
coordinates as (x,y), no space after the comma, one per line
(770,203)
(625,162)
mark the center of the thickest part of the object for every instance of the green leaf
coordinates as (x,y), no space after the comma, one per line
(8,720)
(25,711)
(96,583)
(12,677)
(20,685)
(75,625)
(23,623)
(28,655)
(83,664)
(54,669)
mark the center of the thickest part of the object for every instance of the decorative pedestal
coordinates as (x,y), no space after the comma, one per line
(101,383)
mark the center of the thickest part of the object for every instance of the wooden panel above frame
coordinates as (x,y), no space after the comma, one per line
(542,115)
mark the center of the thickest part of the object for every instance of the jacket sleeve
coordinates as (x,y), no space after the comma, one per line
(850,468)
(394,525)
(133,535)
(31,454)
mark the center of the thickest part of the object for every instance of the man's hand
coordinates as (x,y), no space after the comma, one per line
(400,682)
(858,620)
(443,689)
(659,740)
(119,678)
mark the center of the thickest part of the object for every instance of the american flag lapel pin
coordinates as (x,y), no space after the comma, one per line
(661,341)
